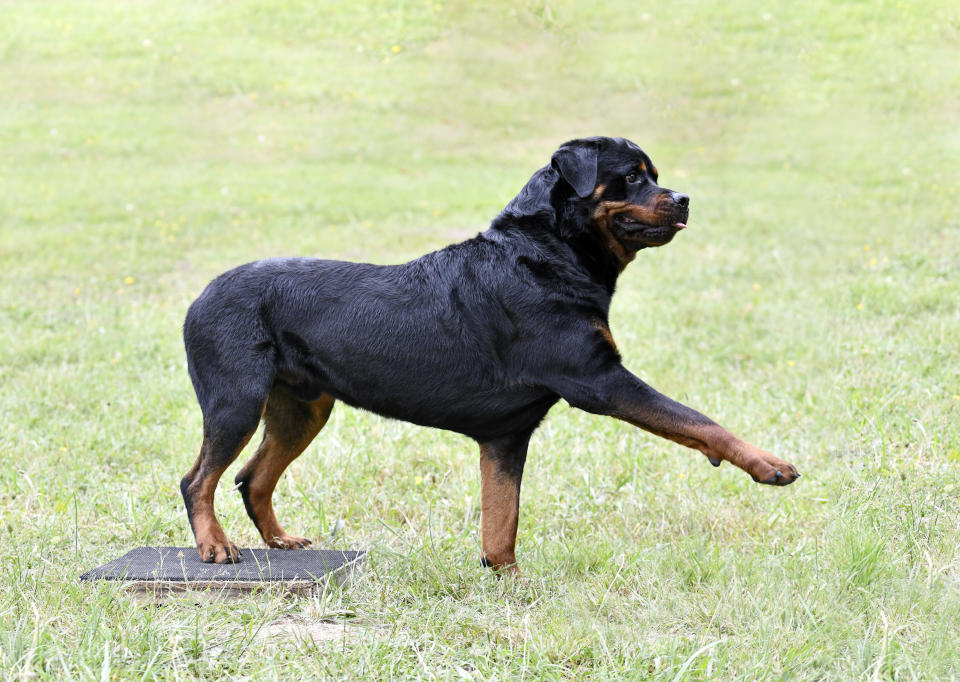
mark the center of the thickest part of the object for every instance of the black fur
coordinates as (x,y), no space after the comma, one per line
(480,338)
(471,338)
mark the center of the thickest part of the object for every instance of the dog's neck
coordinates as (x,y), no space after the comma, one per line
(547,210)
(596,247)
(562,241)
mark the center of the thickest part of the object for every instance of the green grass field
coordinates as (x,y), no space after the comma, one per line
(813,307)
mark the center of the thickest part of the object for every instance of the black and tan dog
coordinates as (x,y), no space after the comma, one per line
(481,338)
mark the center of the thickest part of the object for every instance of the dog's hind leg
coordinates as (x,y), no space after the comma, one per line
(226,430)
(501,468)
(290,425)
(232,382)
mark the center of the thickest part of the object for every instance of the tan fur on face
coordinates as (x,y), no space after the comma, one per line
(644,214)
(603,215)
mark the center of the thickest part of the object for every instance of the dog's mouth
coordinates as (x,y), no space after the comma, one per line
(629,223)
(634,231)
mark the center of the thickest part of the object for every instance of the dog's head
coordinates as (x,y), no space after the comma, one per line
(607,185)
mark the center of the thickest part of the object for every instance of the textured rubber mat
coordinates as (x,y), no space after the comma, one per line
(174,564)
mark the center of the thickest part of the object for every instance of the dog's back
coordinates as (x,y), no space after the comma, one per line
(436,341)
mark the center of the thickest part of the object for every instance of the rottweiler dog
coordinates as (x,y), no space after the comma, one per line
(480,338)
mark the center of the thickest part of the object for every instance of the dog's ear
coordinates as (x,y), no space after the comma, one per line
(576,162)
(535,195)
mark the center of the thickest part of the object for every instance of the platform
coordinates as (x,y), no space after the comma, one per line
(164,570)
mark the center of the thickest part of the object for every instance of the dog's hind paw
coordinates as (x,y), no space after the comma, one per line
(288,542)
(219,552)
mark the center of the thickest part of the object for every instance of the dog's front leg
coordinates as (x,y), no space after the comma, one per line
(501,468)
(618,393)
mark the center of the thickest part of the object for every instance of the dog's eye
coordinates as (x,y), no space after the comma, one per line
(632,176)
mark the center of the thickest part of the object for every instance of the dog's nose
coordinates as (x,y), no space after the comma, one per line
(681,199)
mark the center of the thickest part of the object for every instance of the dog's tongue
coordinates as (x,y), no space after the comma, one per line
(680,225)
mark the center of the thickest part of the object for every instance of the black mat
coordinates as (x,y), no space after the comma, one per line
(258,565)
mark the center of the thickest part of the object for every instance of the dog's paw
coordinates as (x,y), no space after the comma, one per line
(224,552)
(288,542)
(771,470)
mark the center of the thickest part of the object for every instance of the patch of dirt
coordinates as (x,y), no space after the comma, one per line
(318,631)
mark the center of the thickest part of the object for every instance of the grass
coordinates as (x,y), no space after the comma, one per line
(812,307)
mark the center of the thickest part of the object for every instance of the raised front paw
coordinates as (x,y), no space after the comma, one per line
(770,470)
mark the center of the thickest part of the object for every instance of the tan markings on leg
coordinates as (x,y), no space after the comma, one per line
(499,513)
(763,466)
(718,445)
(212,542)
(290,427)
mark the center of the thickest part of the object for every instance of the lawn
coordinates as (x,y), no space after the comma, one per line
(813,307)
